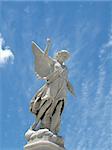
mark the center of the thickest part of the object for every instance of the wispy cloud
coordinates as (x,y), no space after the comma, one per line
(6,55)
(109,43)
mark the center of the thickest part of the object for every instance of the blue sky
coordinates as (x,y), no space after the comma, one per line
(85,29)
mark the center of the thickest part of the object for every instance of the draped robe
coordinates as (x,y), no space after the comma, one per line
(48,103)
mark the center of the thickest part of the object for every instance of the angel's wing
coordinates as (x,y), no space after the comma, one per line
(43,63)
(70,88)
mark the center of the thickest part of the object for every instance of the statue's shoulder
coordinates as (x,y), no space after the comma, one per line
(64,67)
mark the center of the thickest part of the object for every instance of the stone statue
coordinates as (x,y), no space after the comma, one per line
(48,103)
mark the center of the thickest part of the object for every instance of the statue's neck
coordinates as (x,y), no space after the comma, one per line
(61,62)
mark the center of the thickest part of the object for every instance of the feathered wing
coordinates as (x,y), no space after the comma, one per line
(43,63)
(70,88)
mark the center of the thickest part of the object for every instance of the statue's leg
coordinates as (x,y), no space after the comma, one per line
(43,109)
(47,119)
(56,116)
(33,127)
(44,113)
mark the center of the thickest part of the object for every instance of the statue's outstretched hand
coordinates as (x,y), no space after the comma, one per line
(48,41)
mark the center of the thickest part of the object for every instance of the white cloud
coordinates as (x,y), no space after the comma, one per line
(6,55)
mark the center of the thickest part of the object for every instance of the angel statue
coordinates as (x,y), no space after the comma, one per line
(48,103)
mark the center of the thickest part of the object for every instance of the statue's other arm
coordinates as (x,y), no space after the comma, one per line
(70,88)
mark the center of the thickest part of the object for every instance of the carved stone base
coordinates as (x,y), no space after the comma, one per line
(42,145)
(43,139)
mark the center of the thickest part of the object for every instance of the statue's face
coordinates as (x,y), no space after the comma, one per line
(61,56)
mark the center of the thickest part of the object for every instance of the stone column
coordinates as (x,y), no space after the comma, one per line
(43,139)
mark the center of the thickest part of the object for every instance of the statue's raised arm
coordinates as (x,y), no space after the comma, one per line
(48,46)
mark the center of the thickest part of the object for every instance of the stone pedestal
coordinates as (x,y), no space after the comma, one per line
(42,145)
(43,139)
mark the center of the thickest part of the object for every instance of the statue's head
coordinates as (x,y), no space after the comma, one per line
(62,55)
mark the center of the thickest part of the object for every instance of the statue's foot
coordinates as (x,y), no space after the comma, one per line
(28,134)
